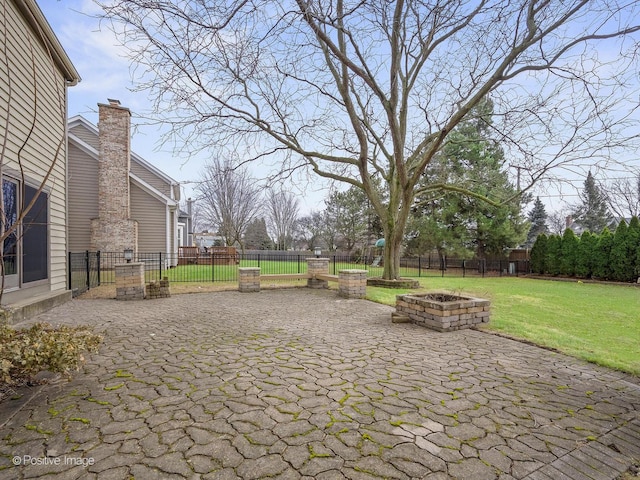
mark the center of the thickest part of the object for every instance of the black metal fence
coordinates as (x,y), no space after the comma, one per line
(89,269)
(84,271)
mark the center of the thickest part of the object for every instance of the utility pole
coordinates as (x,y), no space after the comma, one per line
(518,168)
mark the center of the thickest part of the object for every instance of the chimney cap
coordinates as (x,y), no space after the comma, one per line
(113,101)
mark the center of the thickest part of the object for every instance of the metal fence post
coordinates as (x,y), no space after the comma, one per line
(86,266)
(99,272)
(419,266)
(69,273)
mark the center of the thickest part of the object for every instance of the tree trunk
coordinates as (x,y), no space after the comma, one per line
(393,237)
(392,250)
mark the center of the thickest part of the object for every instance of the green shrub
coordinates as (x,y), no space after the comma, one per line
(602,266)
(25,353)
(554,252)
(568,253)
(538,254)
(633,240)
(587,251)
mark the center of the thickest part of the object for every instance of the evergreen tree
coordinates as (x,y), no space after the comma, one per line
(633,235)
(593,214)
(538,222)
(538,254)
(622,263)
(554,252)
(602,268)
(587,250)
(355,221)
(256,236)
(568,253)
(464,225)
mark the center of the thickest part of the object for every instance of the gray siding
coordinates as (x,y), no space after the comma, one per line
(152,220)
(83,198)
(151,178)
(86,135)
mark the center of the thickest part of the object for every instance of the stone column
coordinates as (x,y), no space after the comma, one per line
(249,279)
(130,281)
(317,266)
(352,283)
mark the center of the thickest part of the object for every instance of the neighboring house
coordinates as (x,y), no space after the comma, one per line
(135,205)
(578,229)
(206,240)
(35,72)
(185,226)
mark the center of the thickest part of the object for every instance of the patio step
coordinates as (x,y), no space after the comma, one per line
(28,308)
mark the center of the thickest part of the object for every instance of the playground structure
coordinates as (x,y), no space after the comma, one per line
(376,252)
(208,256)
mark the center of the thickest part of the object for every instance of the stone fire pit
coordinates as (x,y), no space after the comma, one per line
(442,311)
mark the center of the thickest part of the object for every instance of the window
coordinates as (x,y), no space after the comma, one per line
(35,238)
(10,247)
(26,249)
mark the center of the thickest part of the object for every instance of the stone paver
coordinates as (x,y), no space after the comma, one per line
(301,384)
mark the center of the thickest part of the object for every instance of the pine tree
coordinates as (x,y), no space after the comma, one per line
(538,254)
(538,222)
(602,268)
(256,236)
(593,214)
(568,253)
(471,160)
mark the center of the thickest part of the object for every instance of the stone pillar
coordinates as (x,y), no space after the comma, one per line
(159,289)
(130,281)
(317,266)
(249,279)
(114,230)
(352,283)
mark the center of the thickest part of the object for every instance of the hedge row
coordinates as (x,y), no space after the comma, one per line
(607,256)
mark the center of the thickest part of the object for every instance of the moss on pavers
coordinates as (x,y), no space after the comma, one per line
(215,388)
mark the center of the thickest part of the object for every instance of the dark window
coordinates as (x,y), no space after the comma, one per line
(10,247)
(35,238)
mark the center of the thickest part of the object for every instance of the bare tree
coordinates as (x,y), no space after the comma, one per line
(355,90)
(558,221)
(623,196)
(229,200)
(282,213)
(309,229)
(198,220)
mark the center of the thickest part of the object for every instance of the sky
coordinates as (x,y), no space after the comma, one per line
(105,73)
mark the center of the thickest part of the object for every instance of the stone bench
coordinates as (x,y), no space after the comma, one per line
(351,283)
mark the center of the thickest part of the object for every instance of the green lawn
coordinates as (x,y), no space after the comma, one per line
(598,323)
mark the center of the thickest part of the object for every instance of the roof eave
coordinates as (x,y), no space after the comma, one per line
(36,19)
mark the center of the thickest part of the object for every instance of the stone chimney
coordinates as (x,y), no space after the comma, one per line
(568,221)
(113,230)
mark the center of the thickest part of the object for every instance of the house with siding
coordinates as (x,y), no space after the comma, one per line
(35,73)
(117,199)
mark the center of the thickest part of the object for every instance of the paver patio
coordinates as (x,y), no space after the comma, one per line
(303,384)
